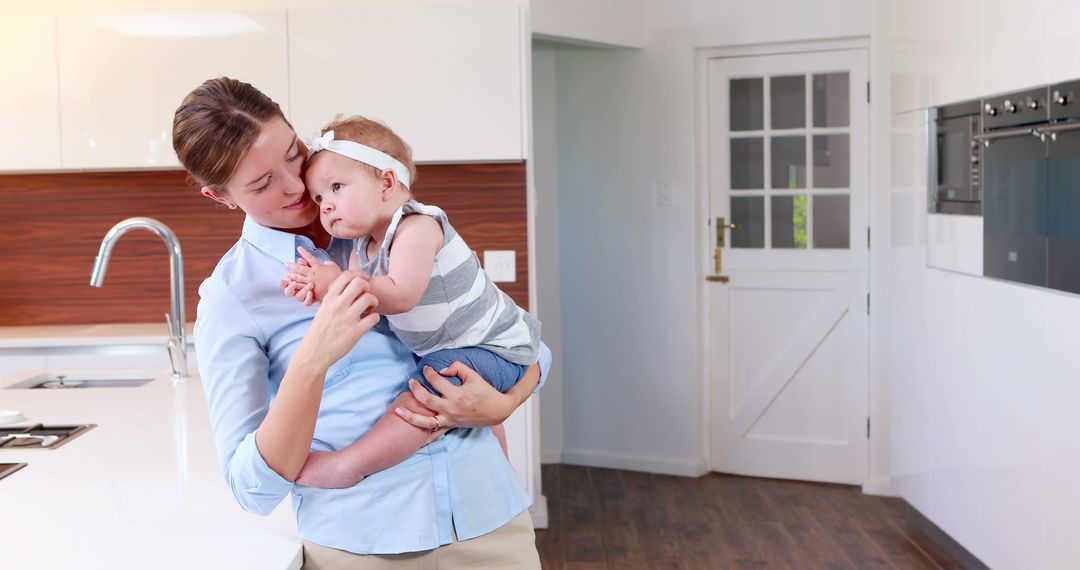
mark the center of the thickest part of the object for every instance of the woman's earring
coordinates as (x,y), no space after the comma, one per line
(232,206)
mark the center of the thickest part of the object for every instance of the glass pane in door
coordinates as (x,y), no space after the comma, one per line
(748,213)
(831,100)
(747,104)
(832,161)
(747,164)
(832,219)
(788,162)
(788,102)
(788,219)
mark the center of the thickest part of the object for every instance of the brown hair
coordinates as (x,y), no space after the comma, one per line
(214,127)
(376,135)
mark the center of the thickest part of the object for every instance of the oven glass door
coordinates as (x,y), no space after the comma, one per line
(1015,209)
(1063,211)
(954,168)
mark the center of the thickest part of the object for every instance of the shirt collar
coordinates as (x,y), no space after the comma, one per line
(278,244)
(282,245)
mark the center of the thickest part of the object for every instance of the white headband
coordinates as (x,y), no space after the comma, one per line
(359,152)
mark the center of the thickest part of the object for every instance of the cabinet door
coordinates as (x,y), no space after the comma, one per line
(131,358)
(28,93)
(1015,46)
(17,363)
(448,79)
(123,75)
(956,50)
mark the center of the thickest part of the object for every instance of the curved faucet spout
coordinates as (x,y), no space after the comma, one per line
(177,334)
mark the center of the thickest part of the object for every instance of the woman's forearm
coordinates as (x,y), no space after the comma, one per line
(284,436)
(523,389)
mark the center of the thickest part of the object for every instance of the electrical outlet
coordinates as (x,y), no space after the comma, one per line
(501,265)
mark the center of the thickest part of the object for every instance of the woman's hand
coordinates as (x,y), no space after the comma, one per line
(473,404)
(308,270)
(284,436)
(344,315)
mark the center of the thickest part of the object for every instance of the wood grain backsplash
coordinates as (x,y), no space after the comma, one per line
(54,223)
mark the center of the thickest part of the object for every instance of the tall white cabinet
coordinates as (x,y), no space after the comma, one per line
(447,78)
(29,93)
(122,76)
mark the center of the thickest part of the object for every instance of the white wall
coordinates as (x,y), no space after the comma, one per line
(633,391)
(607,22)
(984,379)
(548,297)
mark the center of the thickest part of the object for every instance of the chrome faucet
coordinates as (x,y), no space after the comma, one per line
(177,337)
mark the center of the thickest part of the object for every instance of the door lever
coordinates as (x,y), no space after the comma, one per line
(721,225)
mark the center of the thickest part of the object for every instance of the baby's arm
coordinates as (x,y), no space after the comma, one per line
(308,279)
(412,256)
(389,442)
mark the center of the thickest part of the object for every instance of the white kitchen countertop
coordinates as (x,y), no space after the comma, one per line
(87,335)
(141,490)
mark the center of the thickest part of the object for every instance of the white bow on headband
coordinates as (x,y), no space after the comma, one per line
(360,153)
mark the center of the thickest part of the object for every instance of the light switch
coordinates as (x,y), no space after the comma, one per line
(663,192)
(501,265)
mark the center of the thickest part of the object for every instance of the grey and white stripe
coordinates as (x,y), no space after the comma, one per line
(462,307)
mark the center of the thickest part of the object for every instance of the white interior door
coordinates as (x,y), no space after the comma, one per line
(787,331)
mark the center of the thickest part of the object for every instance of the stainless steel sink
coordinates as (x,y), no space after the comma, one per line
(63,384)
(85,379)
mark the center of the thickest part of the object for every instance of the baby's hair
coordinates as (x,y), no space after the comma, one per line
(372,133)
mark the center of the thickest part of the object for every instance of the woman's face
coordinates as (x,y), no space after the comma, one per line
(267,184)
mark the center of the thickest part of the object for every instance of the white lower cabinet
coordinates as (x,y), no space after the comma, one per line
(15,363)
(147,360)
(141,357)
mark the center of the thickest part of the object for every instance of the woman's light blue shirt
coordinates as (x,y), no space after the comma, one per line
(245,335)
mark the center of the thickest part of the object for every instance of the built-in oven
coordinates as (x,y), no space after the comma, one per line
(1062,137)
(1015,187)
(956,186)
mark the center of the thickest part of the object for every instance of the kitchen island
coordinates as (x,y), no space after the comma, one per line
(142,489)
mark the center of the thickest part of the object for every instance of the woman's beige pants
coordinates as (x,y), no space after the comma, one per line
(510,547)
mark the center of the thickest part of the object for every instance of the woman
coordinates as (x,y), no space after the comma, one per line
(271,367)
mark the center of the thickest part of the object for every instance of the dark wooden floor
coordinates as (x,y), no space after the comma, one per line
(604,518)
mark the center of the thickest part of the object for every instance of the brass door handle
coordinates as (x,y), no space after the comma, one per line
(721,225)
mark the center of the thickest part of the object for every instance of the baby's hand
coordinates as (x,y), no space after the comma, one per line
(298,291)
(310,271)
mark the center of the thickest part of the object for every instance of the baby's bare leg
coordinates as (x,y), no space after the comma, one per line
(389,442)
(500,434)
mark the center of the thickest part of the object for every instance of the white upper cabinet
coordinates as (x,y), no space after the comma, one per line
(28,93)
(957,48)
(448,79)
(912,54)
(1064,61)
(123,75)
(1015,45)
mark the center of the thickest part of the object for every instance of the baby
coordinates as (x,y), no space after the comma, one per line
(429,283)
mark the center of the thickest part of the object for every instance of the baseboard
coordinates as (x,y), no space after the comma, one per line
(881,486)
(550,456)
(954,549)
(649,464)
(539,512)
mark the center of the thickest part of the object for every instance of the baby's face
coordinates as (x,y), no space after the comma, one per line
(349,196)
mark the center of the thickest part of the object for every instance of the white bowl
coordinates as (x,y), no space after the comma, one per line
(11,417)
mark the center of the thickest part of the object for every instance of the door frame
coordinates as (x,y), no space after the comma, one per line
(701,223)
